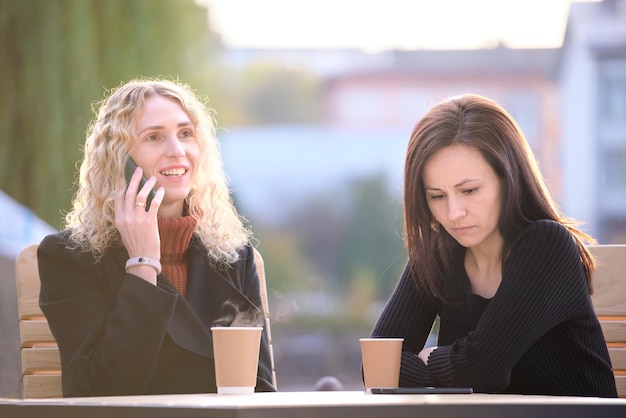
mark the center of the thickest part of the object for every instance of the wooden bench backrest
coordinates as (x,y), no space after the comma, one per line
(609,301)
(40,361)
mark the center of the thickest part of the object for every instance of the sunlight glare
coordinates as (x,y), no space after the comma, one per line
(391,24)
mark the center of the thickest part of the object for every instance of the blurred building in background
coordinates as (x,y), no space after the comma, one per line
(398,93)
(370,103)
(592,90)
(570,103)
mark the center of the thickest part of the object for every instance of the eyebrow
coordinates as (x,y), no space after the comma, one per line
(459,184)
(157,127)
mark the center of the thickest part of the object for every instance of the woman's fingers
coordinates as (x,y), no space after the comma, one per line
(156,201)
(136,195)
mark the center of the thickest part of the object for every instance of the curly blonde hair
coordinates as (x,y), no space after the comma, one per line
(109,142)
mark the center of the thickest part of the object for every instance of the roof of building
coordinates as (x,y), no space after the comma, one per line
(602,25)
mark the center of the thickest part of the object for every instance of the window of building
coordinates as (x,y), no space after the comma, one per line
(613,91)
(615,170)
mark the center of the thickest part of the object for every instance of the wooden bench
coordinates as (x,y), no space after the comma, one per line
(609,301)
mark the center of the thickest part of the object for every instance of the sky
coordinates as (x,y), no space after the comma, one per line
(374,25)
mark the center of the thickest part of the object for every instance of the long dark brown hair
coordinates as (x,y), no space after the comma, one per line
(480,123)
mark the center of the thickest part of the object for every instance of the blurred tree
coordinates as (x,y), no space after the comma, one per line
(373,239)
(58,56)
(319,222)
(354,235)
(285,265)
(268,94)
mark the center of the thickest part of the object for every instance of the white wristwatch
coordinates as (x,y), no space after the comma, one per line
(138,261)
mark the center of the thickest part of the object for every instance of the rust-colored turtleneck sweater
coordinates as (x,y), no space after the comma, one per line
(175,238)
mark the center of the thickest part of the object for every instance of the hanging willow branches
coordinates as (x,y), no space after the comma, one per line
(58,56)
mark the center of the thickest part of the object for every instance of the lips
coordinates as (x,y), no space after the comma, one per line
(175,172)
(461,230)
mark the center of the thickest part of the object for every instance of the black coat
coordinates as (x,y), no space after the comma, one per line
(120,335)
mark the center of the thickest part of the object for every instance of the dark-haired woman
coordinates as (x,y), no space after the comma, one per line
(490,254)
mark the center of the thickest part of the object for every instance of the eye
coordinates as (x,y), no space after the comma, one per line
(187,133)
(152,137)
(435,196)
(470,191)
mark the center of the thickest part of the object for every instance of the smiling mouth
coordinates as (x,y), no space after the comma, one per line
(174,173)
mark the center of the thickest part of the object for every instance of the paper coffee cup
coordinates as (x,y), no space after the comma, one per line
(381,361)
(236,354)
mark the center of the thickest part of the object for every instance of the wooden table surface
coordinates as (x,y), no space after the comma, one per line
(315,404)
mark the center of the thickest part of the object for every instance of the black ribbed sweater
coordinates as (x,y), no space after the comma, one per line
(537,335)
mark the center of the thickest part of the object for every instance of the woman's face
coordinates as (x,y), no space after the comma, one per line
(463,194)
(166,147)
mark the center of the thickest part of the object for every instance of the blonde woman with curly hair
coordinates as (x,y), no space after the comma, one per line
(142,271)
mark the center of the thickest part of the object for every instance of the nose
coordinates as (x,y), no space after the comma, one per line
(175,148)
(456,208)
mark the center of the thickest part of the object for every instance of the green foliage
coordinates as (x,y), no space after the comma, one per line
(58,57)
(373,240)
(285,267)
(344,242)
(268,94)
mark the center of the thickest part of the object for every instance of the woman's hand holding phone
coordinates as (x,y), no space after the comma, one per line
(137,226)
(129,171)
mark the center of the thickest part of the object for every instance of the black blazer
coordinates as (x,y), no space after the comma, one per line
(119,335)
